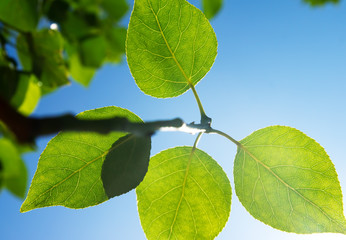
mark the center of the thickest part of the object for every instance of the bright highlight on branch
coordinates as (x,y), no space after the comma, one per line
(184,128)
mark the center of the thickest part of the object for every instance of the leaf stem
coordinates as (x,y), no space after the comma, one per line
(226,136)
(197,141)
(205,120)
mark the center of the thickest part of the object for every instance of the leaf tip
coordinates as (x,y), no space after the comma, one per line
(25,207)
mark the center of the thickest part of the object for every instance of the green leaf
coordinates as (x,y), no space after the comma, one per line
(320,2)
(21,147)
(93,51)
(211,7)
(22,14)
(170,46)
(8,82)
(27,94)
(20,90)
(69,169)
(116,9)
(1,175)
(56,10)
(74,26)
(286,180)
(183,196)
(78,71)
(13,173)
(115,40)
(41,53)
(125,167)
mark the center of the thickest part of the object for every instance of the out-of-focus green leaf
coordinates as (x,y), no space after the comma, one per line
(286,180)
(115,40)
(170,46)
(14,173)
(1,175)
(3,61)
(184,196)
(320,2)
(93,51)
(74,27)
(116,9)
(21,14)
(56,10)
(21,148)
(211,7)
(69,169)
(125,166)
(8,82)
(27,94)
(79,73)
(42,54)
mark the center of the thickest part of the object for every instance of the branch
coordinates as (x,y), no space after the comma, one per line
(26,129)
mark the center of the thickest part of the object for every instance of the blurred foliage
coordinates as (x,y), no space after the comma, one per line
(211,7)
(13,173)
(320,2)
(44,44)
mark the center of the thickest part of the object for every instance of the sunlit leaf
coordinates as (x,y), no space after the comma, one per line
(1,175)
(21,147)
(27,94)
(69,169)
(21,14)
(211,7)
(320,2)
(286,180)
(116,9)
(93,51)
(79,73)
(42,54)
(115,40)
(183,196)
(125,167)
(13,173)
(170,45)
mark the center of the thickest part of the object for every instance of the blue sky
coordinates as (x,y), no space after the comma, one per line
(279,62)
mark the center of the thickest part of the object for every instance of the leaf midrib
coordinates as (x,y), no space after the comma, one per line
(182,192)
(169,48)
(287,185)
(78,170)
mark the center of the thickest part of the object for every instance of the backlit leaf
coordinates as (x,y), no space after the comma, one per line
(13,171)
(22,14)
(125,167)
(79,72)
(69,169)
(183,196)
(27,94)
(43,56)
(320,2)
(211,7)
(116,9)
(93,51)
(170,46)
(286,180)
(115,39)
